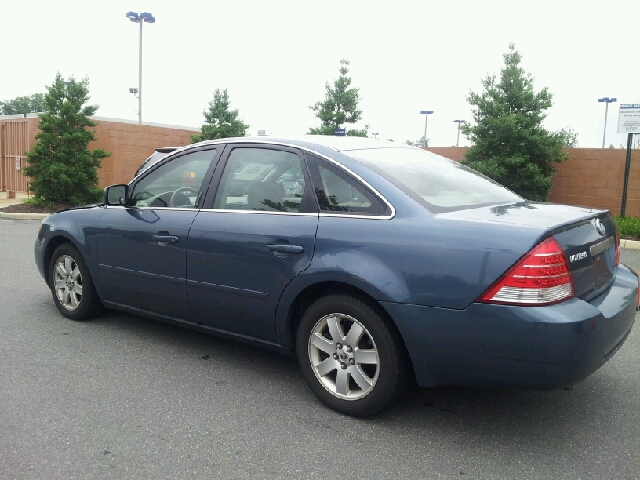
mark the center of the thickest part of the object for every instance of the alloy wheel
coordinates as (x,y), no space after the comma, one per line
(344,356)
(68,282)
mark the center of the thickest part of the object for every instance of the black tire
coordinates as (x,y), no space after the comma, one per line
(75,303)
(370,387)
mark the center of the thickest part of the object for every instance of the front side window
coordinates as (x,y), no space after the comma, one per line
(262,179)
(176,184)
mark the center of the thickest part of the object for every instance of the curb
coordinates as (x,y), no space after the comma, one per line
(630,244)
(28,216)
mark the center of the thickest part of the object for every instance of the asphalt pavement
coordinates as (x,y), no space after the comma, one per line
(126,397)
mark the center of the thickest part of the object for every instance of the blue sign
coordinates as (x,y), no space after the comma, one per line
(340,132)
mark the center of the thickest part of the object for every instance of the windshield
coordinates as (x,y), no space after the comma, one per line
(439,184)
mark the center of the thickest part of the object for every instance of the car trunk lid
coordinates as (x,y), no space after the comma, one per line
(587,237)
(590,248)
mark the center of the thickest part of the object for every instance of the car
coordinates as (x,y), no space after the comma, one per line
(157,155)
(376,264)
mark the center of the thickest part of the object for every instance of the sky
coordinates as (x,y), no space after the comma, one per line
(274,58)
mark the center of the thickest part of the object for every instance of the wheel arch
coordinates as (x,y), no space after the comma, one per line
(53,243)
(307,296)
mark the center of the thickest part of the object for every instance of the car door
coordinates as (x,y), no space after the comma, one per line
(142,247)
(256,235)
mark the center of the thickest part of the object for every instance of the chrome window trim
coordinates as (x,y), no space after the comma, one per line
(290,145)
(259,212)
(153,208)
(316,214)
(337,164)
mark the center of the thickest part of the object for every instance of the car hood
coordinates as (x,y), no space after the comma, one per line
(80,207)
(548,216)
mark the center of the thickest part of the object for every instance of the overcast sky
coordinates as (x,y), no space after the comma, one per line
(274,58)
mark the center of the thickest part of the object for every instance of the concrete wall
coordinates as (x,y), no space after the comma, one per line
(592,177)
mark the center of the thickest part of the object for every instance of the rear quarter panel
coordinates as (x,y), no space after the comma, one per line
(413,259)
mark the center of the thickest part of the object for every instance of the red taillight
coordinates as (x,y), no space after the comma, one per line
(541,277)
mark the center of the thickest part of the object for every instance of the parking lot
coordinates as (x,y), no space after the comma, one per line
(127,397)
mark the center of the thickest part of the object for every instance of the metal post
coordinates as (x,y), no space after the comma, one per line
(604,134)
(140,78)
(627,167)
(458,140)
(424,139)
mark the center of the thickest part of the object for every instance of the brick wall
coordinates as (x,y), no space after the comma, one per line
(453,153)
(130,144)
(592,177)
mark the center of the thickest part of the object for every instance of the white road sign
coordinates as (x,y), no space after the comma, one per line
(629,119)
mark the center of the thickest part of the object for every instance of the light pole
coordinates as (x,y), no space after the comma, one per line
(607,100)
(459,122)
(140,18)
(426,114)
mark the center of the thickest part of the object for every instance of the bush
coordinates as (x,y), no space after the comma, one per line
(628,227)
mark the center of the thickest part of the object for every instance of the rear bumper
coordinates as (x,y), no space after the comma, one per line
(499,345)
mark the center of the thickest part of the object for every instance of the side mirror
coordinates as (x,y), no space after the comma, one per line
(116,194)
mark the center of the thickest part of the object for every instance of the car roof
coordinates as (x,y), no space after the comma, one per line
(339,144)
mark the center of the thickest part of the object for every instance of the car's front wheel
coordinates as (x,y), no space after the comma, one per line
(349,356)
(71,285)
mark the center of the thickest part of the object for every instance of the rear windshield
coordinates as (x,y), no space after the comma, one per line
(438,183)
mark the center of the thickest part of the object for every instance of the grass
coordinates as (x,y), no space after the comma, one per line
(629,227)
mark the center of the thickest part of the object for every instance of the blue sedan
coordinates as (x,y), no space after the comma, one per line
(374,263)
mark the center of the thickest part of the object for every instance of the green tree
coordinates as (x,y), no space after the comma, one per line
(421,142)
(569,137)
(340,106)
(509,143)
(23,105)
(61,166)
(220,121)
(363,132)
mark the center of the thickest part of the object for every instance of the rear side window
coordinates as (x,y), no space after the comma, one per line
(439,184)
(338,192)
(263,179)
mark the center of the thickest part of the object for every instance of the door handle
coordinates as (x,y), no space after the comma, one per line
(285,248)
(165,239)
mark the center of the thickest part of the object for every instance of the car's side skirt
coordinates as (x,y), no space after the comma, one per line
(201,328)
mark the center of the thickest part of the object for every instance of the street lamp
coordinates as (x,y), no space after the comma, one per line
(607,100)
(459,122)
(140,18)
(426,114)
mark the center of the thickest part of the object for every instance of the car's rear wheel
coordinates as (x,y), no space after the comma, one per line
(349,356)
(71,285)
